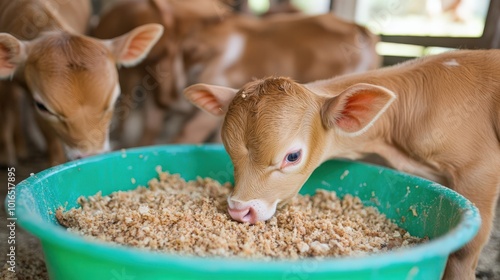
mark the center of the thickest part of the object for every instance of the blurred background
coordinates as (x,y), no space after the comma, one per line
(407,29)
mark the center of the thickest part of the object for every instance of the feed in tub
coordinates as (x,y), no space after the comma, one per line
(191,218)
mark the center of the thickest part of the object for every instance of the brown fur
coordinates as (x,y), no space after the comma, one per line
(442,125)
(71,78)
(36,18)
(197,41)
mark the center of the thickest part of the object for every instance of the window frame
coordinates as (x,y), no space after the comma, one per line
(489,39)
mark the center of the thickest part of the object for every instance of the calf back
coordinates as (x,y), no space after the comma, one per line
(302,47)
(26,19)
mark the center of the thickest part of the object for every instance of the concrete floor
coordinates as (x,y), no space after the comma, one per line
(30,264)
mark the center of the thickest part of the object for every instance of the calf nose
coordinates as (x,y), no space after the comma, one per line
(245,215)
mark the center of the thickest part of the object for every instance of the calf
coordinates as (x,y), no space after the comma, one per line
(208,44)
(436,117)
(71,78)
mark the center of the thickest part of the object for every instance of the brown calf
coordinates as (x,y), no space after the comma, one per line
(71,78)
(205,43)
(437,117)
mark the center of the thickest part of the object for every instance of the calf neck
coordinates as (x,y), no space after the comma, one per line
(437,117)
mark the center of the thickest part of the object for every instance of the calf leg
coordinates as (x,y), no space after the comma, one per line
(482,188)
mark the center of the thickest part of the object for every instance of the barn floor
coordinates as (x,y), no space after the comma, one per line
(29,256)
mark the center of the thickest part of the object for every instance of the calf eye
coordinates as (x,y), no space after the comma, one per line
(42,108)
(293,157)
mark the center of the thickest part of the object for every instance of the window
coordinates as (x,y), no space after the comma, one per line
(260,7)
(436,18)
(415,28)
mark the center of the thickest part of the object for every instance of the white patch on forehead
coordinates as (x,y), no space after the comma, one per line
(234,49)
(451,63)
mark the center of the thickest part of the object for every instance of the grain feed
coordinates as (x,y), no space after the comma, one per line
(191,218)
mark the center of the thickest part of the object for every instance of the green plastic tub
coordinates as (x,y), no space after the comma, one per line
(422,207)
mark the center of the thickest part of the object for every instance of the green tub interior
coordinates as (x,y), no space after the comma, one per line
(444,216)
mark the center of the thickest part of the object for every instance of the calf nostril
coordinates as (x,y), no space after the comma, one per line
(246,215)
(238,214)
(250,216)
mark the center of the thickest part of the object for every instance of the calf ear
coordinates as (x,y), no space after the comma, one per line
(212,99)
(357,108)
(12,53)
(131,48)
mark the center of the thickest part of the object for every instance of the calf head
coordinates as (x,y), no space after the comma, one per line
(73,80)
(277,132)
